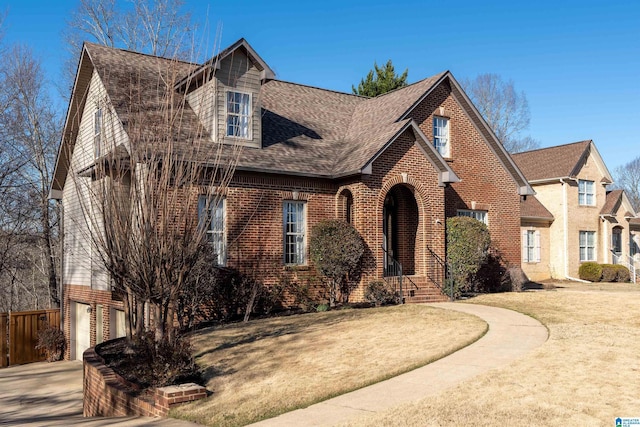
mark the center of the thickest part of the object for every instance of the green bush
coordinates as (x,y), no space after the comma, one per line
(609,272)
(591,271)
(467,249)
(379,293)
(336,249)
(622,273)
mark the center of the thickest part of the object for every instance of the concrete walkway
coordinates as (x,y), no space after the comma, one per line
(50,394)
(511,336)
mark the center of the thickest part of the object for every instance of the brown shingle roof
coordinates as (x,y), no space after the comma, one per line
(612,202)
(531,208)
(553,162)
(305,130)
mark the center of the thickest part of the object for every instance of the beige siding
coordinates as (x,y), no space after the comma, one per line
(238,73)
(81,263)
(202,101)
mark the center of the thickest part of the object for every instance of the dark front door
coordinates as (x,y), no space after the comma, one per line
(389,229)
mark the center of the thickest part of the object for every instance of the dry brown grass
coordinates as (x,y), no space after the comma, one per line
(586,374)
(268,367)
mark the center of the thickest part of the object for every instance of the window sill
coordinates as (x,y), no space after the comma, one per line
(296,267)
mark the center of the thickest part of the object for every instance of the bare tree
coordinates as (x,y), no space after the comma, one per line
(141,202)
(30,130)
(157,27)
(628,179)
(504,109)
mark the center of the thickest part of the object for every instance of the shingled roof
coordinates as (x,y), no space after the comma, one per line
(531,208)
(612,203)
(553,162)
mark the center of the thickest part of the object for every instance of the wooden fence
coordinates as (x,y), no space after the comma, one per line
(23,335)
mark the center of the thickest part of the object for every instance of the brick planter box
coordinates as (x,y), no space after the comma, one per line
(107,394)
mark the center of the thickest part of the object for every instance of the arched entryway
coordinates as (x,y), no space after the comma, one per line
(400,230)
(616,244)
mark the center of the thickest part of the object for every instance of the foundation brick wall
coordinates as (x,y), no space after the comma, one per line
(106,394)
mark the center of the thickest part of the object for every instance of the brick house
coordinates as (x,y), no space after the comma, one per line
(573,217)
(395,166)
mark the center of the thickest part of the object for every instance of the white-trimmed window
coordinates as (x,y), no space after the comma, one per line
(587,245)
(97,132)
(475,214)
(211,214)
(586,192)
(239,115)
(531,245)
(441,135)
(294,221)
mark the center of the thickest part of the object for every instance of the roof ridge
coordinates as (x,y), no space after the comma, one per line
(320,88)
(553,146)
(409,85)
(140,53)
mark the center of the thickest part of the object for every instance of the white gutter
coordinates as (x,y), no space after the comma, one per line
(565,231)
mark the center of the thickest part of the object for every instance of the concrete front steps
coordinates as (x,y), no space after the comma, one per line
(427,292)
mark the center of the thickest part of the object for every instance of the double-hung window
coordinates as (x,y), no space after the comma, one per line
(586,192)
(441,135)
(97,132)
(587,245)
(211,216)
(294,232)
(531,246)
(476,214)
(239,115)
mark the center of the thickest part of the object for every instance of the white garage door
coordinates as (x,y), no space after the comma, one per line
(82,323)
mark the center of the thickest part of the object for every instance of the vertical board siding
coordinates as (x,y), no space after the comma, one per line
(23,334)
(4,339)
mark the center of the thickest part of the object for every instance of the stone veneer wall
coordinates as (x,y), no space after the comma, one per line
(107,394)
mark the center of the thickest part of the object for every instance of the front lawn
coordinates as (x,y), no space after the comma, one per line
(266,367)
(586,374)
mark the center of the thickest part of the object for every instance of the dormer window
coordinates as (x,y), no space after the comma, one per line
(586,193)
(239,115)
(441,135)
(97,132)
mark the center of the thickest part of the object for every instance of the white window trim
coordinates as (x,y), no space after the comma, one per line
(226,116)
(474,213)
(582,195)
(447,152)
(304,233)
(97,132)
(526,246)
(586,246)
(222,257)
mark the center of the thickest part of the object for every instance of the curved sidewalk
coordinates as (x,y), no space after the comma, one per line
(511,335)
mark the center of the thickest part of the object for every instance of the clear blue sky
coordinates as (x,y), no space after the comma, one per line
(577,61)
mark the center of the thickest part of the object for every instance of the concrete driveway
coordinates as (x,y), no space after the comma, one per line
(50,394)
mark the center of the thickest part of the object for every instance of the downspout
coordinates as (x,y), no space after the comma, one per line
(565,234)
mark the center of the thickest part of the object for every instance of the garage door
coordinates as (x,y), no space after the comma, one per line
(82,325)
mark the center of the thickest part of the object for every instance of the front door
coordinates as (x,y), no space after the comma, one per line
(389,229)
(616,244)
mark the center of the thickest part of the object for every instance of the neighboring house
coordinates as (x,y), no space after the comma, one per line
(395,166)
(573,218)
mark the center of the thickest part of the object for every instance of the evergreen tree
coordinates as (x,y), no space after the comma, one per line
(380,80)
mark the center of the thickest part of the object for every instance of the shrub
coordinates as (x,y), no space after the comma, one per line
(590,271)
(159,364)
(379,293)
(322,307)
(336,249)
(491,277)
(467,249)
(516,279)
(609,273)
(622,273)
(51,340)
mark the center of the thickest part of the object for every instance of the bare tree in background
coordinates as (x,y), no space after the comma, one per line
(628,179)
(30,132)
(156,27)
(145,192)
(504,109)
